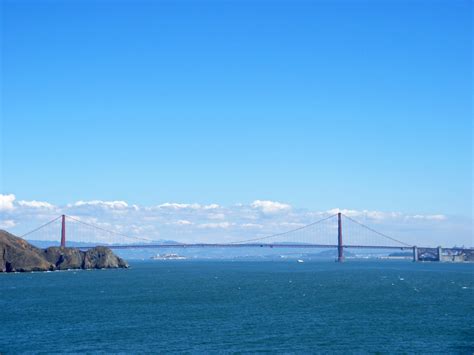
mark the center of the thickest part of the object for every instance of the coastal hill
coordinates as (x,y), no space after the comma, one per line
(17,255)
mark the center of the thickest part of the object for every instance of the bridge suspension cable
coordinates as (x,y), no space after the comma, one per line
(377,232)
(284,233)
(107,230)
(322,234)
(40,227)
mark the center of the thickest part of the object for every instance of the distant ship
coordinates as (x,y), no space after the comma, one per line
(168,257)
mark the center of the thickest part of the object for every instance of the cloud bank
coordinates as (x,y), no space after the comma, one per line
(195,222)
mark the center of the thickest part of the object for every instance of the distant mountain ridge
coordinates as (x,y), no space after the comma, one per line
(49,243)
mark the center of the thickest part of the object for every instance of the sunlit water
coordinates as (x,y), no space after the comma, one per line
(202,306)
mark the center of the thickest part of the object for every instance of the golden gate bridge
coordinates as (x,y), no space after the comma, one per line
(335,231)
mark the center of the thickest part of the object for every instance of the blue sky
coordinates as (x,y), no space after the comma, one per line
(363,105)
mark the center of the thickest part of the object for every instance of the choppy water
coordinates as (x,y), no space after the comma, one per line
(197,306)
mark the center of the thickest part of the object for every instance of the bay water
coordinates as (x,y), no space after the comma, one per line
(241,306)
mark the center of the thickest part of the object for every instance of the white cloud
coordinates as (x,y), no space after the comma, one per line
(270,207)
(186,222)
(115,205)
(6,202)
(292,224)
(8,223)
(188,206)
(35,204)
(223,225)
(433,217)
(376,215)
(183,222)
(252,226)
(212,206)
(179,206)
(381,215)
(216,216)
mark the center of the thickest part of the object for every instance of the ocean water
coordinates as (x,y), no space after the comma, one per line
(225,306)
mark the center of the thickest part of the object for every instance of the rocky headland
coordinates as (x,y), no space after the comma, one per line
(17,255)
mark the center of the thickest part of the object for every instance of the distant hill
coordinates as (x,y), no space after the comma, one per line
(49,243)
(250,253)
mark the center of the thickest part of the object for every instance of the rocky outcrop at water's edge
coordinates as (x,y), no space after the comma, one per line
(17,255)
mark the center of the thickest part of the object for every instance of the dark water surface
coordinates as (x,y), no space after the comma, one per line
(201,306)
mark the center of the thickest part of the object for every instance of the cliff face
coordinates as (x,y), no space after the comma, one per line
(17,254)
(101,257)
(64,258)
(72,258)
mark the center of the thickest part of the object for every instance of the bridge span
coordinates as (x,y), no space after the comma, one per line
(249,245)
(324,233)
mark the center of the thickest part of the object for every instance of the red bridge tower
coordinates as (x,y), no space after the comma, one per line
(63,231)
(340,247)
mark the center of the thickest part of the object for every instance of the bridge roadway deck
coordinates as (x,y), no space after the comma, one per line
(248,245)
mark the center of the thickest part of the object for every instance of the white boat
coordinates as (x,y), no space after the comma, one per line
(300,261)
(168,257)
